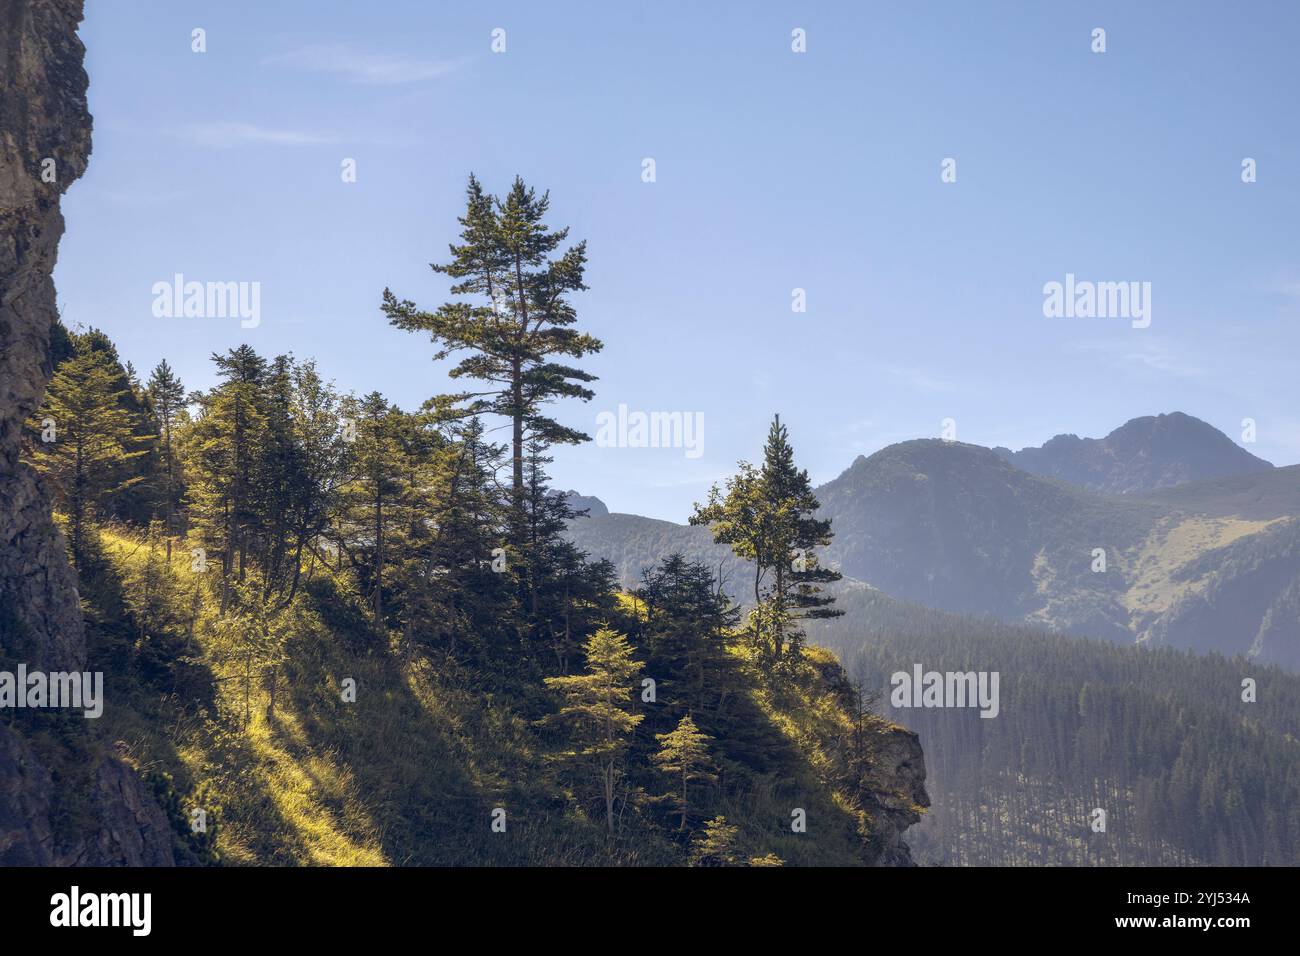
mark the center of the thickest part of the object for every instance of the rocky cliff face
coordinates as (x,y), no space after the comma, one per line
(44,134)
(892,789)
(44,147)
(894,793)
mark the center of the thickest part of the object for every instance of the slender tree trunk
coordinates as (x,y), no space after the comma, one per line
(379,558)
(227,562)
(609,768)
(297,568)
(682,828)
(778,639)
(517,391)
(271,688)
(609,796)
(169,510)
(517,438)
(78,502)
(236,539)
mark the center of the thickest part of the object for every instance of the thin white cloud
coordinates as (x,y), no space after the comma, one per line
(1143,353)
(226,134)
(362,66)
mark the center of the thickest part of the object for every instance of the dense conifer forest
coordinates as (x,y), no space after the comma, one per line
(1188,771)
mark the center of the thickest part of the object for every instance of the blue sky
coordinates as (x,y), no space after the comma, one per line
(775,171)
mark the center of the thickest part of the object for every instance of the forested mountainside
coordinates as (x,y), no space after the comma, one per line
(1158,737)
(414,771)
(1209,565)
(1186,771)
(333,631)
(330,631)
(323,629)
(331,635)
(1156,451)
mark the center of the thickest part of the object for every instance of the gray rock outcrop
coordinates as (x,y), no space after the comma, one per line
(44,146)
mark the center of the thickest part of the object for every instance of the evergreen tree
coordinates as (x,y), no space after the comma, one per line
(597,706)
(224,445)
(314,484)
(375,485)
(715,845)
(149,587)
(579,594)
(167,395)
(563,594)
(135,497)
(684,757)
(278,476)
(768,517)
(514,323)
(92,439)
(251,636)
(688,623)
(458,591)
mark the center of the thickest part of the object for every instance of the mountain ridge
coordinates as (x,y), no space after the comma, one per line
(1212,564)
(1143,454)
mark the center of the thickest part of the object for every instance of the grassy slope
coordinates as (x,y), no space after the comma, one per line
(410,772)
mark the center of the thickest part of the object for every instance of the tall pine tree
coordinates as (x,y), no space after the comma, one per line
(515,321)
(168,397)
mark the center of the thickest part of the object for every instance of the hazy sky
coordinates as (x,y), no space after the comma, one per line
(775,170)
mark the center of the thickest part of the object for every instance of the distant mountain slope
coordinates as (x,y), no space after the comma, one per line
(635,544)
(1209,565)
(1245,599)
(956,527)
(1267,494)
(1156,451)
(592,505)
